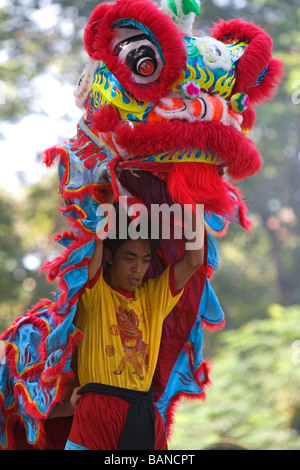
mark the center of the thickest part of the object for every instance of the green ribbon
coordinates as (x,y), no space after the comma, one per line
(188,6)
(191,6)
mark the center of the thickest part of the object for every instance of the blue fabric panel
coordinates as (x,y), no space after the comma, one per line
(72,446)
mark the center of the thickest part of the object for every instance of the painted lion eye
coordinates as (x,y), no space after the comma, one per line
(139,52)
(142,61)
(146,67)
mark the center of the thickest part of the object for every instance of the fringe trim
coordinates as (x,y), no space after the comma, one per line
(205,369)
(213,326)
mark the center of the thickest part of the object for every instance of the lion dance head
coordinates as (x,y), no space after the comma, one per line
(165,101)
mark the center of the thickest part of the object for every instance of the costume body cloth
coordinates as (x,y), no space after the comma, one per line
(166,117)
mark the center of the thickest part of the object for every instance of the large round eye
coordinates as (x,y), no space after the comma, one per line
(137,50)
(142,61)
(146,67)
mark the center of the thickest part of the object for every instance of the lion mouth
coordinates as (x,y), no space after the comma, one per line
(203,130)
(234,151)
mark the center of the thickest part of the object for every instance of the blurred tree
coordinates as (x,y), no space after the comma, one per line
(26,226)
(38,37)
(10,255)
(254,401)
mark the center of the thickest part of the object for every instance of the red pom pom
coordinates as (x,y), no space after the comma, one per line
(106,119)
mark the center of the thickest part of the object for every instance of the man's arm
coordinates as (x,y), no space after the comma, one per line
(96,259)
(193,256)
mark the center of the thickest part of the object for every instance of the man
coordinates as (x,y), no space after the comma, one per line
(121,318)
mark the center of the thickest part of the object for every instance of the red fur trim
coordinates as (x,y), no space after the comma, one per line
(105,119)
(66,234)
(91,33)
(50,155)
(54,266)
(63,287)
(79,227)
(112,167)
(80,213)
(213,326)
(31,409)
(11,354)
(257,56)
(53,372)
(55,307)
(267,88)
(237,151)
(204,368)
(27,375)
(241,206)
(77,221)
(201,183)
(15,422)
(99,34)
(11,420)
(41,304)
(33,319)
(209,271)
(249,118)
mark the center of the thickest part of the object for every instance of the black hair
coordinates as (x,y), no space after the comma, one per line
(113,244)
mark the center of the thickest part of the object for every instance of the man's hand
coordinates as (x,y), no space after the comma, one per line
(75,398)
(66,407)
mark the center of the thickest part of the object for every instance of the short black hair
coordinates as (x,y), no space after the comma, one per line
(113,244)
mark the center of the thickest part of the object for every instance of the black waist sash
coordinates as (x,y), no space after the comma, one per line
(139,429)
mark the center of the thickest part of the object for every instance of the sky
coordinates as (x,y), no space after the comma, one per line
(47,126)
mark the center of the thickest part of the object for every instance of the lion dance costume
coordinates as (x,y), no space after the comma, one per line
(172,111)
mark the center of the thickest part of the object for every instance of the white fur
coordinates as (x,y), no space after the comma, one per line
(184,22)
(82,90)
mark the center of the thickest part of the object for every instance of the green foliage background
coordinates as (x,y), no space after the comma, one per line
(254,399)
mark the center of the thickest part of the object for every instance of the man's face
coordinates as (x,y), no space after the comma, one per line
(129,265)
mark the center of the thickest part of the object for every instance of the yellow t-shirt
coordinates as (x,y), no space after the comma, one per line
(122,331)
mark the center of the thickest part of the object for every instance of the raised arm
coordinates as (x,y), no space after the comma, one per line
(193,256)
(96,259)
